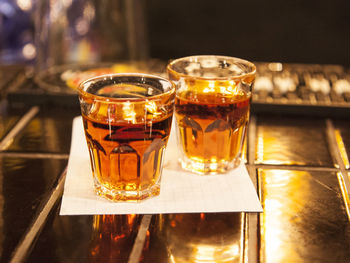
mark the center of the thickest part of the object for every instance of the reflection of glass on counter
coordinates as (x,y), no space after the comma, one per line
(214,237)
(113,237)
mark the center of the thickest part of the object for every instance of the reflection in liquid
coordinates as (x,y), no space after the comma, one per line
(113,237)
(215,237)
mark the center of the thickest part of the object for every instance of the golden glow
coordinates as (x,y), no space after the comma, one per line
(260,150)
(208,253)
(151,107)
(229,90)
(345,193)
(203,238)
(269,148)
(284,198)
(67,3)
(275,66)
(128,112)
(213,166)
(342,149)
(210,88)
(29,51)
(25,5)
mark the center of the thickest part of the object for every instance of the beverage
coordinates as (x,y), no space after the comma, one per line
(127,126)
(211,127)
(212,131)
(127,157)
(212,110)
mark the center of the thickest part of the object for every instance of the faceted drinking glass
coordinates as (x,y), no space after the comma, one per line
(127,121)
(212,104)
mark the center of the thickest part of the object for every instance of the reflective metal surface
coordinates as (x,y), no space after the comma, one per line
(214,237)
(48,132)
(292,141)
(299,165)
(100,238)
(342,130)
(8,117)
(304,219)
(24,185)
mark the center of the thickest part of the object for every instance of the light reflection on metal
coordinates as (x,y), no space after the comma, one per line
(112,237)
(292,141)
(260,149)
(345,192)
(265,142)
(341,148)
(278,214)
(304,218)
(204,237)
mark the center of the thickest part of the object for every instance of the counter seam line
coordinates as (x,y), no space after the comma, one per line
(18,127)
(344,184)
(336,152)
(22,249)
(251,218)
(136,251)
(296,167)
(35,155)
(251,140)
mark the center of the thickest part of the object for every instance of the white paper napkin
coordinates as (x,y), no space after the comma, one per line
(181,191)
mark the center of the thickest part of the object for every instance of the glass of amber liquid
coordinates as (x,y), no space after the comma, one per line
(127,121)
(212,104)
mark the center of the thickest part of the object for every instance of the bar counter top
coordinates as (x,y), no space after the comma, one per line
(298,164)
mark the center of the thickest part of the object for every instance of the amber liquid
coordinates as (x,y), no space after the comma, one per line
(211,127)
(126,157)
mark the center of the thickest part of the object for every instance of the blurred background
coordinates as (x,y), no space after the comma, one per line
(272,30)
(292,31)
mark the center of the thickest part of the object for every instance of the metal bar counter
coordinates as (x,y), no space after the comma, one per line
(299,166)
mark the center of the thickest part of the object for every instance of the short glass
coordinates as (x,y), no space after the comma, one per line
(127,121)
(212,105)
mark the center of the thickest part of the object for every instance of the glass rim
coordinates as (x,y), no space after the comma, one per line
(84,93)
(232,77)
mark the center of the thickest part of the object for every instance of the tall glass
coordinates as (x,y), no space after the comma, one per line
(127,120)
(212,104)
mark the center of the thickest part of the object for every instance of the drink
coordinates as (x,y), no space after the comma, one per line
(212,131)
(212,110)
(127,123)
(127,157)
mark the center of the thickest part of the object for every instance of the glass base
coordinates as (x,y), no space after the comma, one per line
(127,196)
(209,168)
